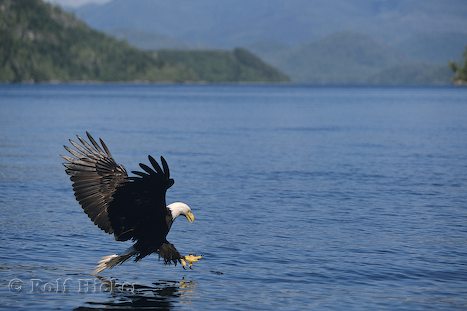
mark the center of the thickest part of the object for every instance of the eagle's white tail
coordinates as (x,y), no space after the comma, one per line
(108,262)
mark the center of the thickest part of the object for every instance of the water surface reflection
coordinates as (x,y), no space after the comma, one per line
(160,295)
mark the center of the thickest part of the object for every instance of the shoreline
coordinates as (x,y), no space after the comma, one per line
(454,84)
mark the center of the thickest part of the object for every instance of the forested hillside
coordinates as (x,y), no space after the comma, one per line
(39,42)
(312,41)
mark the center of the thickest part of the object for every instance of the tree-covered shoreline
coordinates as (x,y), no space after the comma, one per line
(41,43)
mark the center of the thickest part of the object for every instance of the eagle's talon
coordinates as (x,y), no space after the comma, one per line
(190,259)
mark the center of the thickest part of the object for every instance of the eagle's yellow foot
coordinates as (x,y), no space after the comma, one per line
(190,259)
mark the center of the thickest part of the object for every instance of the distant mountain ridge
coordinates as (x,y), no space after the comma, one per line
(39,42)
(354,58)
(339,58)
(231,23)
(423,34)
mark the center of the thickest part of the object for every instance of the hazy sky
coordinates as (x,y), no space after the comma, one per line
(76,3)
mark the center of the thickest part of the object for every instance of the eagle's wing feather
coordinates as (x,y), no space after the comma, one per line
(96,177)
(139,210)
(129,207)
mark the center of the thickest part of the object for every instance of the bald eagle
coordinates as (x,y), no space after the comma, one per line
(127,207)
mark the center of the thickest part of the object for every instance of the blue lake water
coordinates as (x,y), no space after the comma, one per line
(305,198)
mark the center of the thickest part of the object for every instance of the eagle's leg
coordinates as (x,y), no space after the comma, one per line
(190,259)
(171,255)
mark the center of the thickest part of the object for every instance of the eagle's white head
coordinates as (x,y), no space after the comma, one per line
(179,208)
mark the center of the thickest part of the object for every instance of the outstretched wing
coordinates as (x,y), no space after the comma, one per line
(96,177)
(139,210)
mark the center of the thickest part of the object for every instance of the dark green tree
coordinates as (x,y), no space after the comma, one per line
(460,71)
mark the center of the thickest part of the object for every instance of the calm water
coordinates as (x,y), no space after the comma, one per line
(323,198)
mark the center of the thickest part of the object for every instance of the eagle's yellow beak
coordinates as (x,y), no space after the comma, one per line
(190,216)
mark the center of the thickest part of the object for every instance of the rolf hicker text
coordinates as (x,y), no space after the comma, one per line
(66,285)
